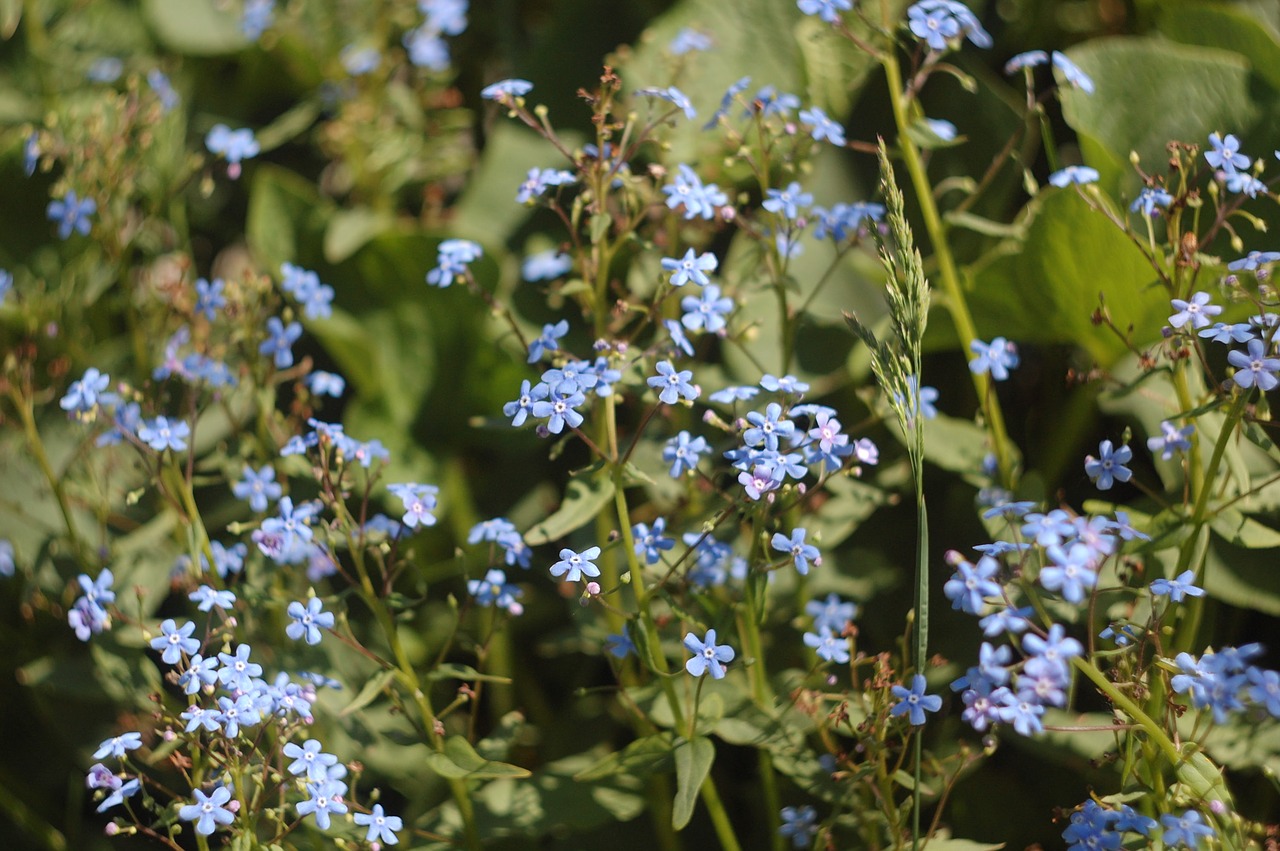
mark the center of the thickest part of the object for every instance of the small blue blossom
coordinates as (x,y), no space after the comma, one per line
(970,585)
(937,22)
(548,340)
(209,598)
(1225,154)
(1077,174)
(1256,368)
(832,613)
(1171,439)
(446,16)
(426,48)
(1198,311)
(1252,261)
(494,590)
(159,83)
(232,145)
(679,340)
(943,129)
(770,101)
(257,16)
(118,746)
(506,90)
(996,358)
(688,191)
(673,96)
(451,261)
(539,180)
(691,267)
(1072,74)
(209,297)
(559,410)
(208,811)
(766,428)
(237,672)
(913,702)
(520,408)
(682,453)
(689,40)
(799,824)
(279,341)
(726,101)
(175,640)
(106,69)
(787,202)
(828,646)
(706,312)
(258,487)
(1071,572)
(161,434)
(382,827)
(546,265)
(419,501)
(323,383)
(1150,200)
(672,384)
(801,553)
(1187,829)
(84,396)
(651,541)
(125,789)
(358,61)
(762,479)
(309,760)
(619,645)
(326,800)
(732,394)
(7,564)
(829,11)
(707,655)
(1028,59)
(824,129)
(308,620)
(572,566)
(1177,589)
(71,213)
(1108,468)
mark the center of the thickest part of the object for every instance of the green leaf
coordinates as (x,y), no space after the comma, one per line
(281,205)
(375,686)
(961,845)
(648,755)
(1202,777)
(195,27)
(460,760)
(850,502)
(351,230)
(1211,88)
(1243,531)
(1221,25)
(465,673)
(288,125)
(583,500)
(693,764)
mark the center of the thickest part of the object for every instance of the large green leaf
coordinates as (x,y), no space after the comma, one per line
(1227,27)
(460,760)
(282,205)
(195,27)
(583,500)
(693,764)
(1168,91)
(1047,291)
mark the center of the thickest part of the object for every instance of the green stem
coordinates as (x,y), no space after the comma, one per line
(26,412)
(950,277)
(749,627)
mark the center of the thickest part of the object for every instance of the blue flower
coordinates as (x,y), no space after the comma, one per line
(119,791)
(691,267)
(832,613)
(279,342)
(538,180)
(1197,311)
(732,394)
(619,645)
(970,585)
(209,597)
(83,396)
(71,213)
(7,565)
(1021,711)
(118,746)
(801,553)
(358,61)
(324,383)
(770,101)
(452,259)
(175,640)
(1071,572)
(31,154)
(381,827)
(1178,589)
(706,312)
(1072,73)
(1108,468)
(1028,59)
(160,434)
(1253,260)
(726,101)
(673,384)
(257,16)
(559,410)
(548,340)
(209,297)
(688,191)
(682,453)
(520,408)
(1172,439)
(505,90)
(426,48)
(673,96)
(326,799)
(913,702)
(766,428)
(1077,174)
(824,129)
(1225,153)
(208,811)
(785,384)
(160,84)
(308,620)
(762,479)
(787,202)
(707,655)
(573,565)
(233,145)
(650,541)
(446,16)
(309,760)
(258,487)
(1186,829)
(996,358)
(1149,200)
(799,824)
(237,672)
(1254,369)
(419,501)
(689,40)
(1006,620)
(546,265)
(829,11)
(494,590)
(828,645)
